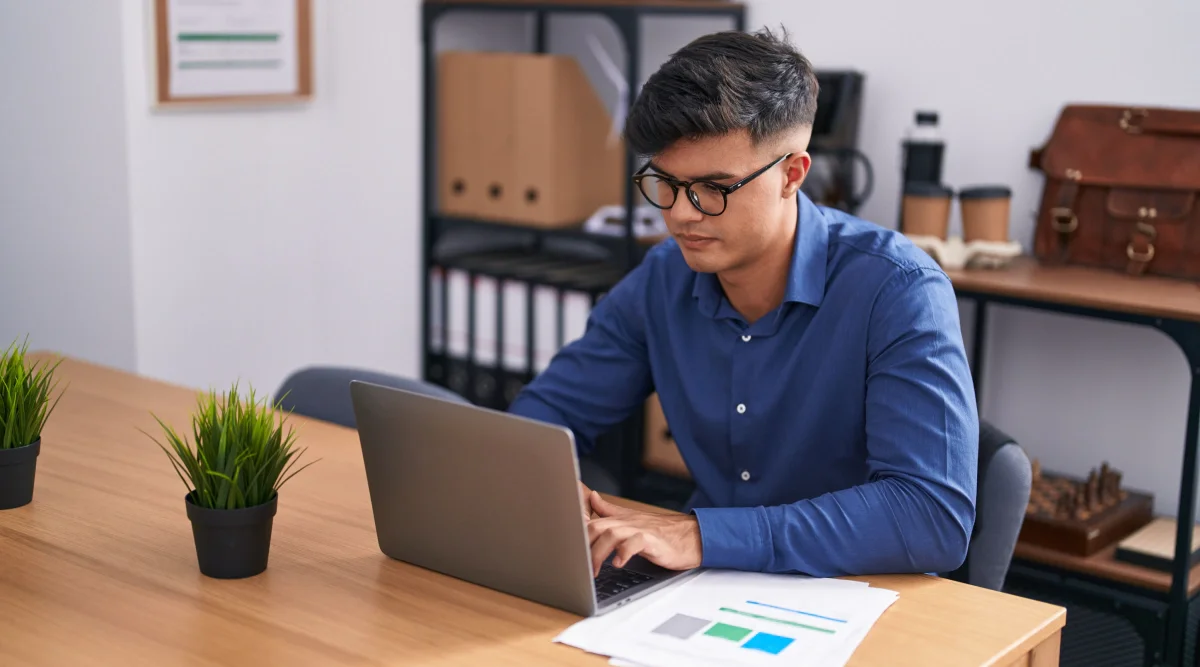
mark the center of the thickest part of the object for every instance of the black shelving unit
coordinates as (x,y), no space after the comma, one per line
(566,259)
(1110,622)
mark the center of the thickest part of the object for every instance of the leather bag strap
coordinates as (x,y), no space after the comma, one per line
(1141,121)
(1063,218)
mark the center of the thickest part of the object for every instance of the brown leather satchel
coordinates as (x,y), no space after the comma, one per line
(1121,190)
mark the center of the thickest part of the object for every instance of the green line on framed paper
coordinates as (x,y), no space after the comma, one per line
(229,37)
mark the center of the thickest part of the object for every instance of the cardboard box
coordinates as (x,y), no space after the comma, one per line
(523,138)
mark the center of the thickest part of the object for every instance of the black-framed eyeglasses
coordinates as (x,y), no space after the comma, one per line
(708,197)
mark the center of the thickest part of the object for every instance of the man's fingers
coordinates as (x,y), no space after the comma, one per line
(628,549)
(597,527)
(604,508)
(585,495)
(602,546)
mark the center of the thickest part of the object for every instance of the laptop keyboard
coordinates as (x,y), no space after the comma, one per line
(614,581)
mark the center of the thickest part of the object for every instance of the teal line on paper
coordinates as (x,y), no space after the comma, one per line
(777,620)
(796,611)
(228,37)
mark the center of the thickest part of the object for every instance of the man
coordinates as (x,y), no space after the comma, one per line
(810,364)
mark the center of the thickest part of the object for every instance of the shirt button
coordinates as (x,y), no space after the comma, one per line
(745,339)
(741,408)
(745,475)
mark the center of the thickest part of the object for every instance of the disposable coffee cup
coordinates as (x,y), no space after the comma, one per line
(985,213)
(926,209)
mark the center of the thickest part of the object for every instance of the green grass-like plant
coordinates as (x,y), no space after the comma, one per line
(24,396)
(240,456)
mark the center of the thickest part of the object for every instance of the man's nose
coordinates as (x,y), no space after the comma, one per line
(683,210)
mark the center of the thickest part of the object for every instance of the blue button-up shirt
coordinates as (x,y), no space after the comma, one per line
(836,435)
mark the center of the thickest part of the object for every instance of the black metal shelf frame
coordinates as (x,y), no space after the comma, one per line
(627,250)
(1185,334)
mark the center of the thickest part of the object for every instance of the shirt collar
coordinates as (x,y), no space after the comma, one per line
(806,276)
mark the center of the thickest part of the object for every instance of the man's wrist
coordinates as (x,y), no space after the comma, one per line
(692,545)
(733,537)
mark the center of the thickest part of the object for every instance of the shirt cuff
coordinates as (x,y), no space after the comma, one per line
(735,538)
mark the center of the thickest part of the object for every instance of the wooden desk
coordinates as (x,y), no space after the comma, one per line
(100,569)
(1170,306)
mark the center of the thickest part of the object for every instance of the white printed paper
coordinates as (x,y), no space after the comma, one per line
(741,618)
(232,47)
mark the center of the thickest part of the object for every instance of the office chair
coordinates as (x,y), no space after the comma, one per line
(323,392)
(1005,478)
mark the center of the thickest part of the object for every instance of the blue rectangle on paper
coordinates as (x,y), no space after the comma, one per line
(768,643)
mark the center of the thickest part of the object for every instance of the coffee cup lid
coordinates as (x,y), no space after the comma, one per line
(985,192)
(924,189)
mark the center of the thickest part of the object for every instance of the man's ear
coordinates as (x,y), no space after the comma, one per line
(795,169)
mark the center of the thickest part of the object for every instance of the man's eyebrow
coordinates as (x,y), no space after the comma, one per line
(714,176)
(654,167)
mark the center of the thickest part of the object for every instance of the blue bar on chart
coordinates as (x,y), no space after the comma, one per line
(768,643)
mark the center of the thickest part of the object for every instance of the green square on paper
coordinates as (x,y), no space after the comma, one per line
(725,631)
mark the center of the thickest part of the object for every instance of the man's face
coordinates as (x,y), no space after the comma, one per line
(754,218)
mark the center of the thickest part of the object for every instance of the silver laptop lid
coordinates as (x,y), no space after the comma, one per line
(476,494)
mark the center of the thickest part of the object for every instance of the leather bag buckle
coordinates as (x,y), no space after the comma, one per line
(1138,259)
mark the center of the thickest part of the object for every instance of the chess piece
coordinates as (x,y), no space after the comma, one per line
(1062,508)
(1037,470)
(1093,491)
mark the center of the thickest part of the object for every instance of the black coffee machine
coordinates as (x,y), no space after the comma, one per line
(834,179)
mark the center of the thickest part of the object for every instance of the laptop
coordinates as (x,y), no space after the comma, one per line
(487,497)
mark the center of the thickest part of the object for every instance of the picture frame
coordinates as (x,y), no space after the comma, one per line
(232,52)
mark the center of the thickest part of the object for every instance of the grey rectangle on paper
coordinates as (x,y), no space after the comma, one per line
(681,626)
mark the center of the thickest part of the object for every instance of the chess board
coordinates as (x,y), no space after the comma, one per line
(1081,516)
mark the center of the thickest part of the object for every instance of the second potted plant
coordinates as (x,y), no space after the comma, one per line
(24,408)
(239,459)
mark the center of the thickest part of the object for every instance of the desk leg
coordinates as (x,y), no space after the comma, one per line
(1043,655)
(978,348)
(1046,653)
(1187,336)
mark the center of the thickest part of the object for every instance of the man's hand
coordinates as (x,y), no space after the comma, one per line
(585,494)
(668,540)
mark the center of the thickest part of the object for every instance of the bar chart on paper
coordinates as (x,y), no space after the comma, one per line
(732,618)
(752,626)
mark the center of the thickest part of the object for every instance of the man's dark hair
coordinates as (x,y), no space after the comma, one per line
(721,83)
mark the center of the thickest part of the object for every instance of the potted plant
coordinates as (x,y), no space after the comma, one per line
(24,408)
(233,470)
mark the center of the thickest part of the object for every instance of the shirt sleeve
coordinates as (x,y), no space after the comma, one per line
(916,512)
(601,378)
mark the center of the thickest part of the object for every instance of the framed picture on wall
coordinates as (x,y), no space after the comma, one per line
(233,51)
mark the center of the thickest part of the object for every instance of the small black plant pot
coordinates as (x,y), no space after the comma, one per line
(17,468)
(232,544)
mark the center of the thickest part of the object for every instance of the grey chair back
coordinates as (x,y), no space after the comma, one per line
(1005,478)
(323,392)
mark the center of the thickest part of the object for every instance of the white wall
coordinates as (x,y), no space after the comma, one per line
(65,272)
(267,239)
(1073,391)
(272,238)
